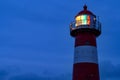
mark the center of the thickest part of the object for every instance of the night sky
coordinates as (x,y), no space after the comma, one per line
(35,43)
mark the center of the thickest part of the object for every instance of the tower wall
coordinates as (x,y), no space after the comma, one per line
(85,57)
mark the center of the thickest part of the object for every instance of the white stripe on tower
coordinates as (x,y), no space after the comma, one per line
(85,54)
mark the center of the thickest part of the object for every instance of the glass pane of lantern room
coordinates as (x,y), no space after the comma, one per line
(78,20)
(84,19)
(88,20)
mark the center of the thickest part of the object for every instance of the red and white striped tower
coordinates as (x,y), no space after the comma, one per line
(85,29)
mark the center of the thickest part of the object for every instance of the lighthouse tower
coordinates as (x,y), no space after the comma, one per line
(85,29)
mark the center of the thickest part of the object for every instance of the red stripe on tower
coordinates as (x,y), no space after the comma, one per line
(85,29)
(85,38)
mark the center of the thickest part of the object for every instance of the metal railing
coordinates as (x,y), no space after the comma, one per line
(96,25)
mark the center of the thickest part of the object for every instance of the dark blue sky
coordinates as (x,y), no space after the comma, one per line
(35,43)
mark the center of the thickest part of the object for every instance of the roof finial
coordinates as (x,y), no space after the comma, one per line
(85,7)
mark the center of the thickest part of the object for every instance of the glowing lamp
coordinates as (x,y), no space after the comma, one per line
(82,20)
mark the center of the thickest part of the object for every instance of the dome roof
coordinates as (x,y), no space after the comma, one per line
(85,11)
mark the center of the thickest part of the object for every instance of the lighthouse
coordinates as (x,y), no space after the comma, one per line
(85,29)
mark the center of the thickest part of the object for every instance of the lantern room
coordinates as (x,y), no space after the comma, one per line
(85,20)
